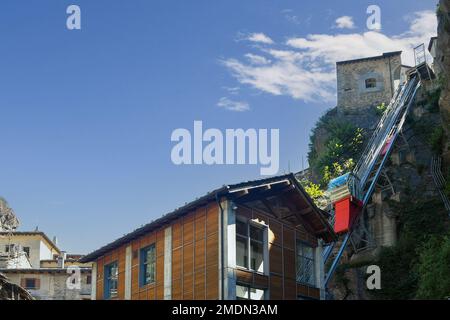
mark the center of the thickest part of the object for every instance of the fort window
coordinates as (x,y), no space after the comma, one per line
(371,83)
(147,265)
(244,292)
(111,275)
(305,264)
(249,246)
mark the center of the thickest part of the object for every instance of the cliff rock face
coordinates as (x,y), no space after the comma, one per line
(8,220)
(443,64)
(406,173)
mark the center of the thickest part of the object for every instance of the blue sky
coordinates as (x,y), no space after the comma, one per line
(86,115)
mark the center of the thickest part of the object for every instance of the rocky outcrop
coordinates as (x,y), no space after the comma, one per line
(443,64)
(8,220)
(407,172)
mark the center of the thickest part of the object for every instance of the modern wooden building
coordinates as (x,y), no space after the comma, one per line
(254,240)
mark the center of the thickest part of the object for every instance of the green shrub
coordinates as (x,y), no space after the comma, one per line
(380,109)
(313,190)
(437,140)
(405,268)
(344,143)
(432,102)
(433,269)
(397,280)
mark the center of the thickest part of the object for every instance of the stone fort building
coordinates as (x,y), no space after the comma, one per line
(368,82)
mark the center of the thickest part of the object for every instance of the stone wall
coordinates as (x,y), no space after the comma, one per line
(353,96)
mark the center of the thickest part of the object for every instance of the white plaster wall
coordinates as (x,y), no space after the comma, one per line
(25,241)
(53,286)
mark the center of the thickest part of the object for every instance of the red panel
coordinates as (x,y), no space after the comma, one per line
(346,210)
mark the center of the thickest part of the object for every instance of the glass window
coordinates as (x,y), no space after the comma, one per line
(256,294)
(30,283)
(241,228)
(256,233)
(371,83)
(148,265)
(305,264)
(111,276)
(249,246)
(27,251)
(241,292)
(256,256)
(241,251)
(244,292)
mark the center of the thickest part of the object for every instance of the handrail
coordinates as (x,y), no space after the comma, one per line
(374,158)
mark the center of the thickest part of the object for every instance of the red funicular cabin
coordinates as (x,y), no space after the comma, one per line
(346,206)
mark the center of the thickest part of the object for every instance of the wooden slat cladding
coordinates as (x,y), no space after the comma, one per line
(282,237)
(252,279)
(195,259)
(198,254)
(276,287)
(212,252)
(275,259)
(121,279)
(308,292)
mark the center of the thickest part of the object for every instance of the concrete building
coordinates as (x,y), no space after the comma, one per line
(368,82)
(254,240)
(34,262)
(36,245)
(51,283)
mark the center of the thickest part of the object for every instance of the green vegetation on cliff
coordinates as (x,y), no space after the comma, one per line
(418,265)
(343,143)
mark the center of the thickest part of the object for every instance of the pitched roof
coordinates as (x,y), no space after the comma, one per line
(42,270)
(383,56)
(214,195)
(32,233)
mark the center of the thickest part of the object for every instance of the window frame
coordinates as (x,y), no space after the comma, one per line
(143,264)
(302,257)
(369,81)
(107,279)
(34,287)
(9,247)
(248,240)
(249,293)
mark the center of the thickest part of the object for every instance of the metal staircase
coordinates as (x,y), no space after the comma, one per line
(362,180)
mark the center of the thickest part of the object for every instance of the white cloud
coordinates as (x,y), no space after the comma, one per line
(228,104)
(304,68)
(332,48)
(232,90)
(259,37)
(345,22)
(256,59)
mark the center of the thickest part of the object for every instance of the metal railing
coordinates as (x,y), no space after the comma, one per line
(439,180)
(362,181)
